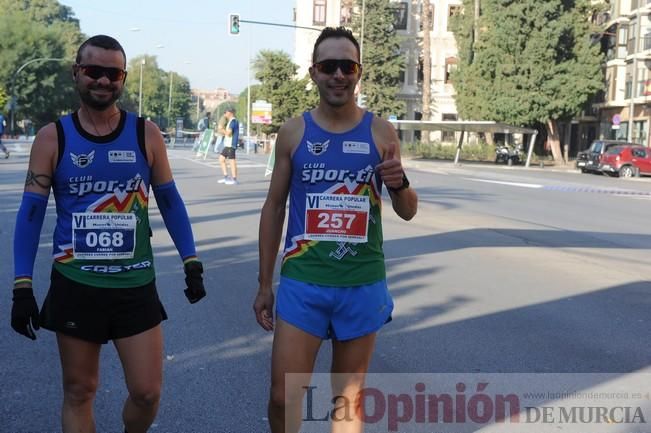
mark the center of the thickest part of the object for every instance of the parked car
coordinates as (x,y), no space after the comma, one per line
(588,160)
(626,161)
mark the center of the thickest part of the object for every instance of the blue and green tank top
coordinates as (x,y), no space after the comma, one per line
(334,231)
(101,187)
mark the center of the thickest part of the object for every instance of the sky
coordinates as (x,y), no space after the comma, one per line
(191,37)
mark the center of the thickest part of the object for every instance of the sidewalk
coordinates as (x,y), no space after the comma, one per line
(418,162)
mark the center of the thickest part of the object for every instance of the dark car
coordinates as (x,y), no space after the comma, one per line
(589,159)
(626,161)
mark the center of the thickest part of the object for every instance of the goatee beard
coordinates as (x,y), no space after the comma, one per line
(93,103)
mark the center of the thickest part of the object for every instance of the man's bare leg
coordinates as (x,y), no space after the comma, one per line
(142,361)
(80,371)
(350,361)
(222,163)
(233,168)
(294,351)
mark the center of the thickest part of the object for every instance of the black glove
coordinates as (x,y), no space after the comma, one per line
(194,280)
(24,313)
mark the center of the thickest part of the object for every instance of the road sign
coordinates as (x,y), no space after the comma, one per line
(179,127)
(617,119)
(234,24)
(261,112)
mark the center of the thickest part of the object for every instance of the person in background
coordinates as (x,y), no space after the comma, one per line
(219,140)
(100,163)
(231,134)
(3,124)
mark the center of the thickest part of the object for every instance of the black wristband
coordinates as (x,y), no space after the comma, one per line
(405,184)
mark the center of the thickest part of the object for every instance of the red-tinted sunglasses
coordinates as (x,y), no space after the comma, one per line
(330,66)
(96,72)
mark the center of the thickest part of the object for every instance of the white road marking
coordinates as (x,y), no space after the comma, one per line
(215,163)
(638,195)
(518,184)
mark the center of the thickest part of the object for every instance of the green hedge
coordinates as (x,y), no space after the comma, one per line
(437,150)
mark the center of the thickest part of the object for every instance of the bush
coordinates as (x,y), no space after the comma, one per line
(437,150)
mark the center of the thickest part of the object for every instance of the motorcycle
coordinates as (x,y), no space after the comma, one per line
(507,155)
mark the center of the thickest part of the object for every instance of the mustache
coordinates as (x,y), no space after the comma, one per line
(101,87)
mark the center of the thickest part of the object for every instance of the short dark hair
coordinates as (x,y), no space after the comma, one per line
(335,32)
(231,109)
(101,41)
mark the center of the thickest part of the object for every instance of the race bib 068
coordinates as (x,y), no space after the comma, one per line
(337,217)
(102,236)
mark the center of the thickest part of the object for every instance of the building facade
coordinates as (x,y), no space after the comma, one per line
(211,99)
(333,13)
(624,110)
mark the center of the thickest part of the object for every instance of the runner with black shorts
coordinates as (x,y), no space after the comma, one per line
(231,137)
(100,163)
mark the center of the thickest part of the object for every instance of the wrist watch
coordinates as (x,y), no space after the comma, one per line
(404,185)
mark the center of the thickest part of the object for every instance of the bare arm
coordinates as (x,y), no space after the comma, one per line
(42,161)
(405,201)
(273,216)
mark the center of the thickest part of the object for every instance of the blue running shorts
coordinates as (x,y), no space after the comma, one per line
(341,313)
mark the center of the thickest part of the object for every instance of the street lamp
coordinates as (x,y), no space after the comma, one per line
(169,104)
(12,101)
(142,63)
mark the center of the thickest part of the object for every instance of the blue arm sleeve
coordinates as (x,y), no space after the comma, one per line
(29,222)
(176,219)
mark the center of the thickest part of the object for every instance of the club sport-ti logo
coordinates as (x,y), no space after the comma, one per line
(317,149)
(82,161)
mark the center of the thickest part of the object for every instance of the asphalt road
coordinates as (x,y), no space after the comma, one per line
(503,270)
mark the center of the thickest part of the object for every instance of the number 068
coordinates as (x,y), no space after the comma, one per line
(105,239)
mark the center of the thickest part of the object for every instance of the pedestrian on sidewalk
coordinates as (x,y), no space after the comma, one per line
(231,134)
(331,162)
(100,162)
(3,123)
(219,136)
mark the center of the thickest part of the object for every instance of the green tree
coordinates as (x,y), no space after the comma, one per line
(33,29)
(382,60)
(530,62)
(181,98)
(156,92)
(289,97)
(4,98)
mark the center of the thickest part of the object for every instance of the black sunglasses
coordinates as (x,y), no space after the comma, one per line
(330,66)
(96,72)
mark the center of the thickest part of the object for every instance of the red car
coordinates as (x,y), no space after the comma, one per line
(626,161)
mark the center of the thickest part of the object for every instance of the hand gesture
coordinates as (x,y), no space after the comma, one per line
(194,280)
(24,312)
(263,307)
(390,168)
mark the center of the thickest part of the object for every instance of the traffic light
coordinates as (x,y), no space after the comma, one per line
(234,24)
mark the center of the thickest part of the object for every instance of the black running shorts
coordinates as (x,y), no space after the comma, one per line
(100,314)
(228,152)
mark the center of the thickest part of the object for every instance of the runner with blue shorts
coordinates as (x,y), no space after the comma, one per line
(331,162)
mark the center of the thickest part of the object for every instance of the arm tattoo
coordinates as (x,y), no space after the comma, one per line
(42,180)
